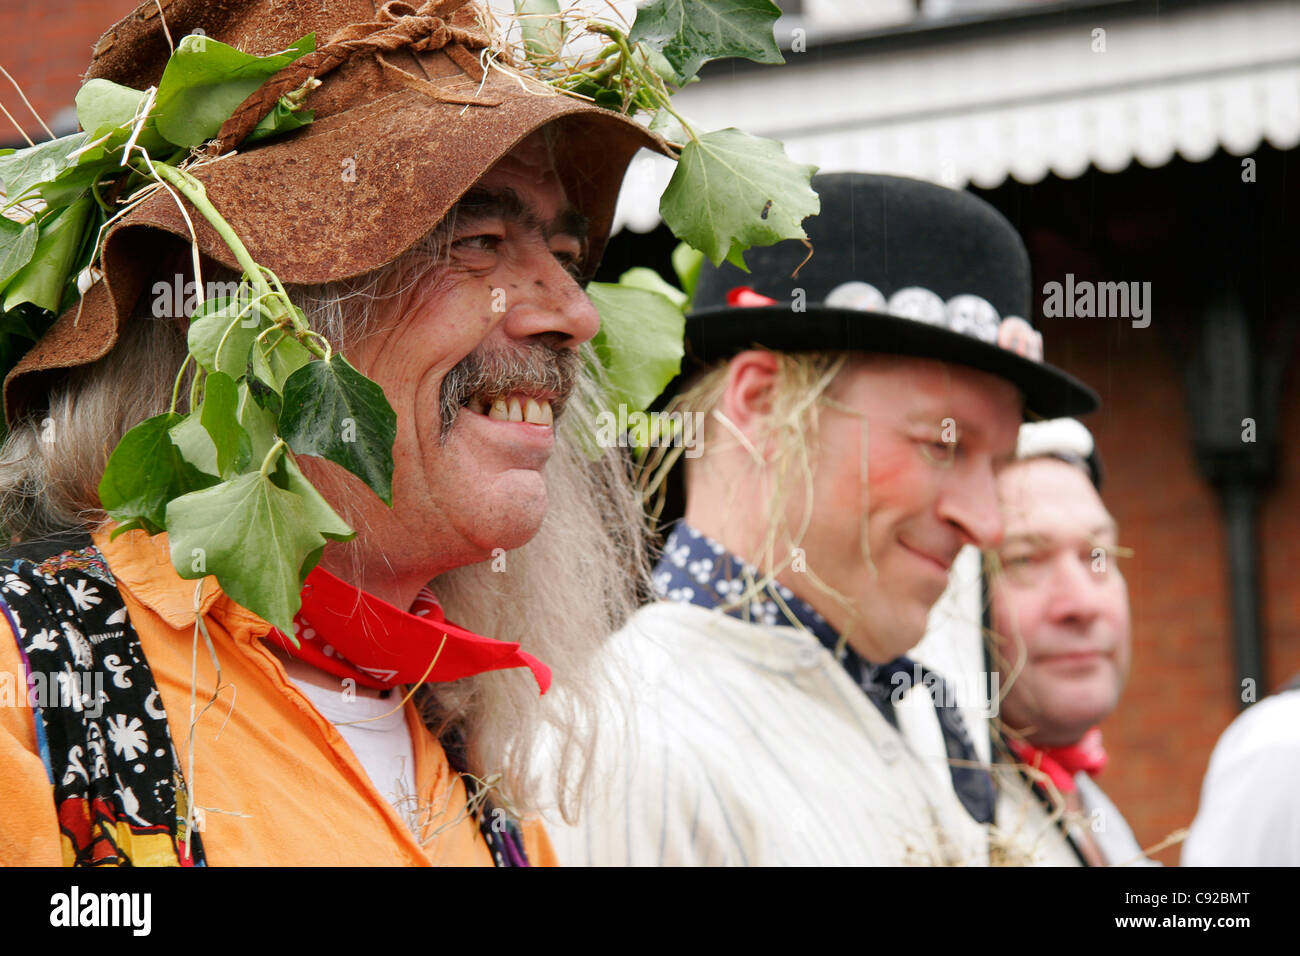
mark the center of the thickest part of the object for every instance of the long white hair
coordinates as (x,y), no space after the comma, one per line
(575,583)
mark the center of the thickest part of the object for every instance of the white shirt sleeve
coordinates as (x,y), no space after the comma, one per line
(1249,813)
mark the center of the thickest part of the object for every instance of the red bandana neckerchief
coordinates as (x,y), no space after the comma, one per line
(349,633)
(1062,763)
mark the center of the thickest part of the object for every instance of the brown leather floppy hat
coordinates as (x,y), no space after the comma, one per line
(406,120)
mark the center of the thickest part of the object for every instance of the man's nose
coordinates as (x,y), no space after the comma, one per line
(1073,588)
(548,301)
(969,500)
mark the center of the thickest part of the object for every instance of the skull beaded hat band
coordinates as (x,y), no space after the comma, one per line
(898,266)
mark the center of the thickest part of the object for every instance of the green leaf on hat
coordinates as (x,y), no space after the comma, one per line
(217,414)
(282,119)
(70,185)
(541,27)
(276,361)
(102,102)
(222,331)
(206,80)
(333,411)
(686,263)
(17,244)
(668,126)
(145,471)
(731,189)
(639,342)
(23,321)
(323,517)
(109,110)
(43,280)
(258,422)
(642,278)
(213,441)
(22,171)
(689,33)
(258,539)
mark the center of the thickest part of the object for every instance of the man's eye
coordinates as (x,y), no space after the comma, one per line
(484,242)
(939,451)
(569,260)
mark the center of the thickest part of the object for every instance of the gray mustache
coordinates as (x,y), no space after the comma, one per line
(499,371)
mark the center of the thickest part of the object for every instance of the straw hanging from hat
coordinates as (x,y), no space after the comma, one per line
(401,25)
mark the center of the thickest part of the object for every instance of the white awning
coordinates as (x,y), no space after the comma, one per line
(1021,103)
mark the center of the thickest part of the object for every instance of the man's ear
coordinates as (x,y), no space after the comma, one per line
(751,385)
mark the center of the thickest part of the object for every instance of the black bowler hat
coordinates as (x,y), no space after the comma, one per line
(899,266)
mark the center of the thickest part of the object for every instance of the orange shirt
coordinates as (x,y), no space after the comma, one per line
(277,783)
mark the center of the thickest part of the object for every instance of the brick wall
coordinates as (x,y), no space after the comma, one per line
(1181,693)
(46,47)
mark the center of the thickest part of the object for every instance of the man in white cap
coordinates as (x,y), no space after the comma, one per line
(1061,626)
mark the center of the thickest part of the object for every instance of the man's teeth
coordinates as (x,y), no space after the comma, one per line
(529,410)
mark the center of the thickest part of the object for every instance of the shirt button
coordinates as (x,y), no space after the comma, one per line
(808,657)
(889,750)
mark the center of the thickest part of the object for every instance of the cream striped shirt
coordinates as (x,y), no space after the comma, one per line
(749,744)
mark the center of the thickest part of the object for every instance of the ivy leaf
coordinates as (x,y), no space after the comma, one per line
(282,119)
(105,103)
(733,190)
(70,185)
(217,414)
(206,80)
(257,421)
(323,517)
(109,109)
(668,126)
(213,441)
(333,411)
(275,367)
(736,256)
(541,27)
(22,321)
(686,263)
(255,537)
(221,334)
(689,33)
(643,278)
(329,523)
(650,58)
(145,471)
(639,342)
(17,244)
(42,281)
(23,170)
(195,445)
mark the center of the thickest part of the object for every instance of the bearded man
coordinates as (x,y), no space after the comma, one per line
(860,405)
(436,225)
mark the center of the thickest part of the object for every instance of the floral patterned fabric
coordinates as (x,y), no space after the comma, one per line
(102,731)
(695,569)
